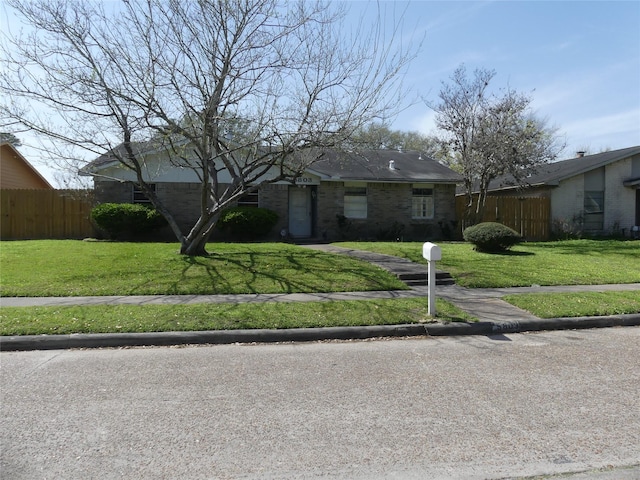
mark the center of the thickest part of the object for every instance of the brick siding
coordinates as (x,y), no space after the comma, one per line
(388,209)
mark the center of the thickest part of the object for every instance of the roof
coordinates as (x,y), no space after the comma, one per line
(112,157)
(334,165)
(553,173)
(17,172)
(382,166)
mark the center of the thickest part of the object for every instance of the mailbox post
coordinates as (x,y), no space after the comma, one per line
(432,253)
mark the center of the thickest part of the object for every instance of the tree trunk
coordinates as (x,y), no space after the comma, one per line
(194,244)
(195,248)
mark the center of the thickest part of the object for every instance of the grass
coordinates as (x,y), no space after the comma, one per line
(162,318)
(557,305)
(572,262)
(42,268)
(72,268)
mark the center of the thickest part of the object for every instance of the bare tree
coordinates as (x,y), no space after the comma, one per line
(125,78)
(487,135)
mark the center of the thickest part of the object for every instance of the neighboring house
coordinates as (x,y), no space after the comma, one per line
(374,194)
(598,194)
(17,173)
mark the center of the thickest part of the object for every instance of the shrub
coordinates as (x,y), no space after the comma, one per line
(247,223)
(491,237)
(124,220)
(564,229)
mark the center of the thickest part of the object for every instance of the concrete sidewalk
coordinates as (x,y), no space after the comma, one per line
(495,316)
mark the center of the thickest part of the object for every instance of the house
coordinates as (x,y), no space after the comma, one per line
(374,194)
(17,173)
(597,194)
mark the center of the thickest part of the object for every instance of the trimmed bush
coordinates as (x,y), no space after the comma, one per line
(247,223)
(124,220)
(491,237)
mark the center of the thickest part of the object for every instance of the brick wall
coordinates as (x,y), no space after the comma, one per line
(388,209)
(388,213)
(619,201)
(276,198)
(181,199)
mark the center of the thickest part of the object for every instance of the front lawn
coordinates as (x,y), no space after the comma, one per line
(571,262)
(42,268)
(165,318)
(583,304)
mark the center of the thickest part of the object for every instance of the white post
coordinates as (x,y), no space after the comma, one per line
(431,278)
(431,252)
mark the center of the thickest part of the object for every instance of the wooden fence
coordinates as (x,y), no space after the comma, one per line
(529,216)
(45,214)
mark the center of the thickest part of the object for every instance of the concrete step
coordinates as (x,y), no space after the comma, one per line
(414,279)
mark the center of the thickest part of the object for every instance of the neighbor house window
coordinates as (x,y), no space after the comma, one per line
(594,185)
(593,210)
(249,200)
(355,200)
(140,197)
(422,201)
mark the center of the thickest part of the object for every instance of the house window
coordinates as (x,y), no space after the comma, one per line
(249,200)
(355,201)
(140,197)
(593,210)
(422,202)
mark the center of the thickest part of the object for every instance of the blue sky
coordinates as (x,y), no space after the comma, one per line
(579,61)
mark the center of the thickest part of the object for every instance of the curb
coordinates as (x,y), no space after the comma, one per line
(221,337)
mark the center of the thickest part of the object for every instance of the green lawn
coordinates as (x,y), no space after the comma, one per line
(557,305)
(72,268)
(75,268)
(162,318)
(572,262)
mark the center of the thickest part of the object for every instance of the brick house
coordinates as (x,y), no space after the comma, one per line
(369,195)
(597,194)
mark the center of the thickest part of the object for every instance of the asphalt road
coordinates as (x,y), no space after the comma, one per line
(461,407)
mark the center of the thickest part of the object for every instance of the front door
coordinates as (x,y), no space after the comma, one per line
(300,212)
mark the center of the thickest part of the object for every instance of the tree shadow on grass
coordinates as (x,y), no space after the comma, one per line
(277,272)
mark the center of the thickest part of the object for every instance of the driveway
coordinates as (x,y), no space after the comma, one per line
(461,407)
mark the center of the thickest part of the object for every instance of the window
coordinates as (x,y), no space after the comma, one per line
(355,201)
(140,197)
(422,202)
(593,210)
(594,202)
(249,200)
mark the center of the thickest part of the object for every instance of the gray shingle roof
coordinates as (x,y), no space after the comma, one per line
(369,165)
(553,173)
(374,165)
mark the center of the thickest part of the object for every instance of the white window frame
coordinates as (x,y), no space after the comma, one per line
(355,200)
(422,201)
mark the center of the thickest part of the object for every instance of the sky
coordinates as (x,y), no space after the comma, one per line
(579,61)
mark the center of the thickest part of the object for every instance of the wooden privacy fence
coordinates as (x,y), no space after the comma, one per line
(529,216)
(45,214)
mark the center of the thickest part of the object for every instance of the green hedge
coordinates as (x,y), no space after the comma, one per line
(125,220)
(491,237)
(247,223)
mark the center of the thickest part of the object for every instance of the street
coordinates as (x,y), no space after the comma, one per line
(449,407)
